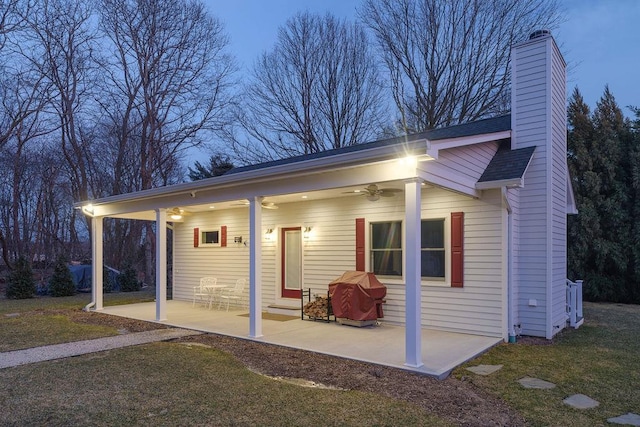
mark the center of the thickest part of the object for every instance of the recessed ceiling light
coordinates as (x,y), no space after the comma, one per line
(356,191)
(304,197)
(212,207)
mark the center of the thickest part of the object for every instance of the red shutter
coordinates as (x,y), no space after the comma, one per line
(359,244)
(196,237)
(223,236)
(457,238)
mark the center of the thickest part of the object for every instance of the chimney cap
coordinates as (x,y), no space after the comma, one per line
(539,33)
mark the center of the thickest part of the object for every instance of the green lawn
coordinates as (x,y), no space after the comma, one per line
(79,300)
(44,320)
(601,360)
(179,384)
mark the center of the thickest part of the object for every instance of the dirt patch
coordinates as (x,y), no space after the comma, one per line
(534,341)
(458,401)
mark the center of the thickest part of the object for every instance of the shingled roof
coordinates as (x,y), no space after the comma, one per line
(479,127)
(506,165)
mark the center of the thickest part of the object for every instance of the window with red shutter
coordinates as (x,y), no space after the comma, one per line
(457,250)
(360,252)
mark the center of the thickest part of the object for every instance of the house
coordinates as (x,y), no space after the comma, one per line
(466,225)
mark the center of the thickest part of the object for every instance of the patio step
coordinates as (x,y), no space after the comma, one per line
(284,309)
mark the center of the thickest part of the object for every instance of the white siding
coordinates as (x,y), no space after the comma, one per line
(539,119)
(227,264)
(476,308)
(559,191)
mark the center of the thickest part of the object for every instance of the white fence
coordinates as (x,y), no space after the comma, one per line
(574,303)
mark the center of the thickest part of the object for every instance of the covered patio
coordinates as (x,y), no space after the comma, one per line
(383,345)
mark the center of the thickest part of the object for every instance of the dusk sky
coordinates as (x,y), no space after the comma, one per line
(600,39)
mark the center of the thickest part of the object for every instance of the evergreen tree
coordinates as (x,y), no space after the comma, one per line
(128,279)
(584,227)
(218,165)
(20,283)
(61,283)
(633,284)
(600,237)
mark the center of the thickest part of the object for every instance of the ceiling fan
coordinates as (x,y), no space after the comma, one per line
(177,213)
(266,205)
(372,192)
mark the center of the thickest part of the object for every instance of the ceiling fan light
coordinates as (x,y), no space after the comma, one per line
(373,197)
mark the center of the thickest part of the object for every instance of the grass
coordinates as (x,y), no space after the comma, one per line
(600,360)
(33,331)
(179,384)
(176,384)
(41,321)
(79,300)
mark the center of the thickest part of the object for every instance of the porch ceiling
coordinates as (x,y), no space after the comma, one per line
(278,199)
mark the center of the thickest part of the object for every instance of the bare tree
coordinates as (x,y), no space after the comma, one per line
(317,89)
(171,75)
(62,40)
(24,93)
(448,61)
(167,88)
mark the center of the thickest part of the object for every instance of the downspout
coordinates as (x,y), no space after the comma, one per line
(511,324)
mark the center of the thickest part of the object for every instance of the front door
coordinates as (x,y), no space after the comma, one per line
(291,239)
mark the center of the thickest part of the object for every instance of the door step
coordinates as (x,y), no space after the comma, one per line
(286,310)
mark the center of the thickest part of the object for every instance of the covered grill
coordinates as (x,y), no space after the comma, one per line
(357,295)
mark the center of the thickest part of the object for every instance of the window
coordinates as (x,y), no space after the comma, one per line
(210,237)
(386,248)
(432,248)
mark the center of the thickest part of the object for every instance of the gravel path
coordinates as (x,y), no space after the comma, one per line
(58,351)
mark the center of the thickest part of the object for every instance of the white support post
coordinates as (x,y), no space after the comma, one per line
(97,261)
(161,264)
(413,334)
(255,267)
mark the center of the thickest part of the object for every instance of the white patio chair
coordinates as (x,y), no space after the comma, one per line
(236,293)
(204,291)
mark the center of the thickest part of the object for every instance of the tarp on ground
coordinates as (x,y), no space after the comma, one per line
(357,295)
(81,275)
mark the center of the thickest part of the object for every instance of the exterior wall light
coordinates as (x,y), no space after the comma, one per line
(88,209)
(307,232)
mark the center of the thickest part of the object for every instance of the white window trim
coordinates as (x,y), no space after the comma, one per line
(202,231)
(446,281)
(401,280)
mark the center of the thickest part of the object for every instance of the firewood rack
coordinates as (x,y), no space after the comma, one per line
(305,298)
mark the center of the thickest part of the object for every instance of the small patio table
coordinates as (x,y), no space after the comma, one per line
(211,290)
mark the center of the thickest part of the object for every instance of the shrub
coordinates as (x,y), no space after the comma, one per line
(128,280)
(107,280)
(20,283)
(61,283)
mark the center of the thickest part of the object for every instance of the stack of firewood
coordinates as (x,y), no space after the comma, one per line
(317,308)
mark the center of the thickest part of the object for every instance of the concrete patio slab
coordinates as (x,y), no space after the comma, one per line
(484,369)
(384,344)
(630,419)
(581,401)
(528,382)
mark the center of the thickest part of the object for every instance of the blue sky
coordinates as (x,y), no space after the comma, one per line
(600,39)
